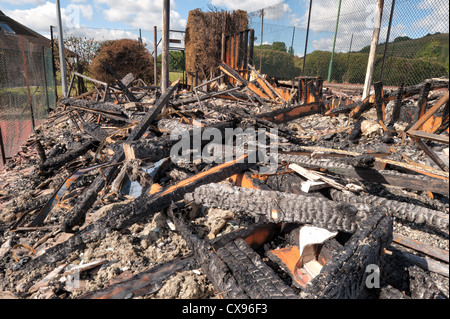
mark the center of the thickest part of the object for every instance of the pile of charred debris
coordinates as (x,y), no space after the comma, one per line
(357,205)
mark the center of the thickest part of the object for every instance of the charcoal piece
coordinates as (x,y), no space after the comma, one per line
(54,163)
(389,292)
(421,285)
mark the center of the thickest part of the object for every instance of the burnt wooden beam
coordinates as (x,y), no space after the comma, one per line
(405,211)
(422,101)
(278,207)
(415,89)
(344,275)
(122,86)
(291,113)
(421,247)
(379,101)
(54,163)
(430,112)
(144,283)
(235,269)
(388,177)
(397,106)
(157,148)
(439,162)
(88,198)
(107,114)
(225,68)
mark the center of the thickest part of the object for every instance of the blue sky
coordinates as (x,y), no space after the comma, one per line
(95,18)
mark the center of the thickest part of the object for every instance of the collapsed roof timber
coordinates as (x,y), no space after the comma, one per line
(94,206)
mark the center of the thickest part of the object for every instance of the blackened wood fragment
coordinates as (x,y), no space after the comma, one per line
(122,86)
(52,164)
(405,211)
(150,281)
(345,275)
(278,207)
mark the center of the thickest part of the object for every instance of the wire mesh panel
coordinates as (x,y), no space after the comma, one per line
(24,95)
(340,34)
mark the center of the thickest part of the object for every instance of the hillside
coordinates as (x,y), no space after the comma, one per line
(433,46)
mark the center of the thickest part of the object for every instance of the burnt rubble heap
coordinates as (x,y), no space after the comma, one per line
(343,198)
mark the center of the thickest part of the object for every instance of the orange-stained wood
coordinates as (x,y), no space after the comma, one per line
(265,88)
(194,178)
(242,180)
(155,188)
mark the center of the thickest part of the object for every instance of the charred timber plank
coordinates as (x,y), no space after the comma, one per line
(231,72)
(439,162)
(423,248)
(415,182)
(102,113)
(430,112)
(278,207)
(389,292)
(344,108)
(88,198)
(397,106)
(157,148)
(122,86)
(344,275)
(146,282)
(362,107)
(52,164)
(425,263)
(415,89)
(256,278)
(215,268)
(430,136)
(291,113)
(379,101)
(405,211)
(236,270)
(95,130)
(153,113)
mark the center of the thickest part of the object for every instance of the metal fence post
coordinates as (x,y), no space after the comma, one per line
(53,62)
(334,43)
(262,33)
(155,54)
(387,40)
(307,34)
(2,148)
(30,101)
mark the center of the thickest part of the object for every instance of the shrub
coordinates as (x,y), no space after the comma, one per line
(124,56)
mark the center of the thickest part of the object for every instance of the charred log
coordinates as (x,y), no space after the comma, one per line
(402,210)
(278,207)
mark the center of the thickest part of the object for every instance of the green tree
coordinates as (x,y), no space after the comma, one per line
(279,46)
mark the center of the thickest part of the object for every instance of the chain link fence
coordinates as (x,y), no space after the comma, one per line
(416,33)
(27,91)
